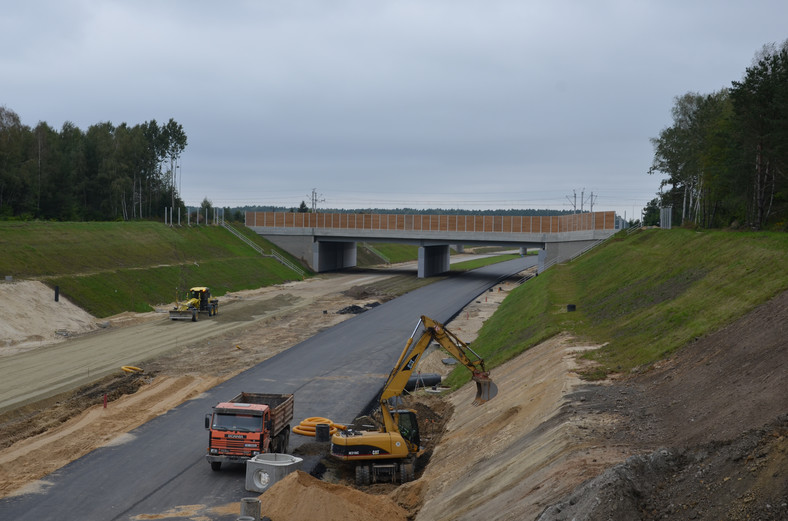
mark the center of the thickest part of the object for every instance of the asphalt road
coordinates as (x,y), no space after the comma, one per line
(160,467)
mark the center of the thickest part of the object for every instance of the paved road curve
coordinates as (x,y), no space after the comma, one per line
(161,467)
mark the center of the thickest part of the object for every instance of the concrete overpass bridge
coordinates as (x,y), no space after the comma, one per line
(327,241)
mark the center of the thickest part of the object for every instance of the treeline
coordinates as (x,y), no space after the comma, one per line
(104,173)
(303,208)
(726,154)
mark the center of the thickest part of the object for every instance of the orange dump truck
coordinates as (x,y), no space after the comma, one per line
(248,425)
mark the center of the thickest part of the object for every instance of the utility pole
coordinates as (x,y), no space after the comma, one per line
(591,202)
(315,200)
(573,202)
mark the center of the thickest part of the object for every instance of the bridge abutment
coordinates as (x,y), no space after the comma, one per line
(556,252)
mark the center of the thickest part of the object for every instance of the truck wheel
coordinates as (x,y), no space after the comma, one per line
(362,475)
(216,466)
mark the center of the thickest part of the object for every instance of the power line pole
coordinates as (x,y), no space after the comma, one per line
(573,202)
(315,200)
(591,199)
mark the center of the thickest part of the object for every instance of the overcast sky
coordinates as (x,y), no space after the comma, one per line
(468,104)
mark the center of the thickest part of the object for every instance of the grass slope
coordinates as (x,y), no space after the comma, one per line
(108,268)
(643,295)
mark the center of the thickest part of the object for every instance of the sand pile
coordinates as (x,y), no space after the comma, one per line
(32,317)
(300,497)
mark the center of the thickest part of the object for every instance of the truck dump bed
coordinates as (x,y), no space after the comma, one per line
(281,406)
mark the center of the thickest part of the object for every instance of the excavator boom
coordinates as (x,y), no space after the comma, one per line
(412,352)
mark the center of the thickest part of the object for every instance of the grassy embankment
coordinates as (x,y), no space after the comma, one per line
(394,252)
(109,268)
(644,295)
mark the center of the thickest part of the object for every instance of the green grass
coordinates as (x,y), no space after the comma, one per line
(645,295)
(395,252)
(108,268)
(478,263)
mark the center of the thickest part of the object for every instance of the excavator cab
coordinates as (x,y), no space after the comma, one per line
(408,425)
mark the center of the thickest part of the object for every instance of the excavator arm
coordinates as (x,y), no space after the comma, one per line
(412,353)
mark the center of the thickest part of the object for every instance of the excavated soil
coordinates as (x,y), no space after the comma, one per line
(701,435)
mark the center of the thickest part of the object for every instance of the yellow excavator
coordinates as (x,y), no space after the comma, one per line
(198,301)
(391,451)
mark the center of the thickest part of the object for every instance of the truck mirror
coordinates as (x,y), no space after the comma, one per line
(207,421)
(269,425)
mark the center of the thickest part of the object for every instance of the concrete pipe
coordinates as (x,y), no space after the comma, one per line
(250,506)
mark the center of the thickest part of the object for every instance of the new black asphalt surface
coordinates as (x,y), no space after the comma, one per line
(161,466)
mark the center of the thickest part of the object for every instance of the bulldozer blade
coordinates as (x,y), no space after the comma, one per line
(486,390)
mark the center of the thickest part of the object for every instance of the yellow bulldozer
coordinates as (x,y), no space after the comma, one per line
(198,301)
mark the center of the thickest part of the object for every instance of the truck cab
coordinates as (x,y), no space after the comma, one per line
(248,425)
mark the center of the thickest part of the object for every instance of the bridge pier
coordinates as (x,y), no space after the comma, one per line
(330,255)
(433,260)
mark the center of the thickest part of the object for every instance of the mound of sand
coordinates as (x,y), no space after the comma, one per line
(300,497)
(32,318)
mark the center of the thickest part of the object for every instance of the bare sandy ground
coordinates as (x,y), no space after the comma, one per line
(32,318)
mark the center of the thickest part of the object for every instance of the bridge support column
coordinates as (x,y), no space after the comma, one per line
(329,256)
(433,260)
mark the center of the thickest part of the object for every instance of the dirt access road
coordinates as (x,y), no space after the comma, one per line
(53,347)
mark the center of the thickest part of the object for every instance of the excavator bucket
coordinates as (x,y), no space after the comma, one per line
(486,390)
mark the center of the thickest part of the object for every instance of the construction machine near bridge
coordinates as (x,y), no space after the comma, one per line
(199,301)
(389,454)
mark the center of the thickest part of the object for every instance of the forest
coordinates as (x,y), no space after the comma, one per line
(106,173)
(725,157)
